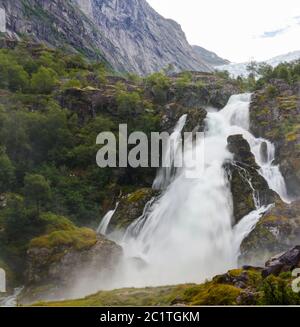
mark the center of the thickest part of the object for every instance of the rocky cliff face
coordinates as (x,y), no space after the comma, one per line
(52,271)
(209,57)
(146,41)
(242,173)
(128,34)
(275,116)
(277,231)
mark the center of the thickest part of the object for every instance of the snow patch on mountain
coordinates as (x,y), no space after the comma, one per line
(240,69)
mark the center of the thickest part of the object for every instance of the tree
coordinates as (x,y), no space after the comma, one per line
(13,76)
(128,103)
(44,80)
(265,71)
(7,172)
(282,71)
(252,69)
(159,85)
(37,190)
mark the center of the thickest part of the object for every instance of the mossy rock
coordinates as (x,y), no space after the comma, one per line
(77,238)
(54,270)
(277,231)
(131,207)
(277,119)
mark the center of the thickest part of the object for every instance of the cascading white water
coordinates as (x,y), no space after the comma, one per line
(103,226)
(165,175)
(268,170)
(186,234)
(263,150)
(11,300)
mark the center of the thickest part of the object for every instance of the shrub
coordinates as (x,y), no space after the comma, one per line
(128,102)
(37,190)
(278,291)
(159,85)
(7,172)
(44,81)
(272,91)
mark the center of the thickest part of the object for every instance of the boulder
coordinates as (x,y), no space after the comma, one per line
(277,231)
(171,113)
(61,263)
(247,185)
(241,150)
(53,270)
(287,261)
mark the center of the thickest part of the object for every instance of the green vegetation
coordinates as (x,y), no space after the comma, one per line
(278,290)
(128,103)
(220,291)
(44,80)
(158,84)
(77,238)
(37,190)
(52,107)
(261,75)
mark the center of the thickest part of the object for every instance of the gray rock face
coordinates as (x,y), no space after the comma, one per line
(244,179)
(283,263)
(63,264)
(53,273)
(277,231)
(277,118)
(209,57)
(146,41)
(130,35)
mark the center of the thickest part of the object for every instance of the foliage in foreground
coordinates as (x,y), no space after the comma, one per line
(257,291)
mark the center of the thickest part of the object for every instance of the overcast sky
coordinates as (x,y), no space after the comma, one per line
(238,30)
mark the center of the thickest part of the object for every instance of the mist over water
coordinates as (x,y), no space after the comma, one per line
(186,234)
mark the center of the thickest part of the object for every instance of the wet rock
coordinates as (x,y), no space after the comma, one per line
(130,208)
(60,265)
(277,231)
(277,118)
(173,111)
(247,185)
(283,263)
(238,146)
(207,90)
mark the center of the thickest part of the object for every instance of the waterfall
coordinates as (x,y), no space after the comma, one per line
(166,174)
(103,226)
(186,234)
(264,152)
(11,300)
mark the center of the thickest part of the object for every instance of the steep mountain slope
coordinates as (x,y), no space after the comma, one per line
(59,24)
(209,57)
(130,35)
(146,41)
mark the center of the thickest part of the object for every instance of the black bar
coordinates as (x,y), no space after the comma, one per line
(162,316)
